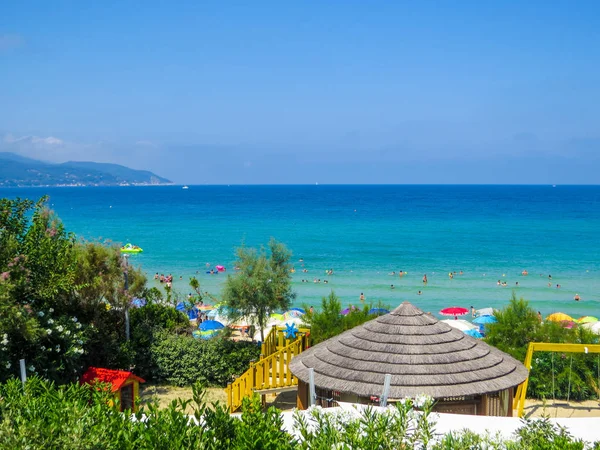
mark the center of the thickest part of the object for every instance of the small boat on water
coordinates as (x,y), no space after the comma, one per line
(128,248)
(185,187)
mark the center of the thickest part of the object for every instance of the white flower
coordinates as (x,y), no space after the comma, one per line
(43,347)
(4,339)
(50,321)
(31,368)
(8,365)
(60,328)
(79,341)
(67,332)
(51,310)
(78,325)
(74,319)
(41,314)
(58,348)
(49,331)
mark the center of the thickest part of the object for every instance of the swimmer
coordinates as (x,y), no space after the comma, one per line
(425,279)
(517,283)
(156,276)
(549,277)
(524,273)
(401,273)
(362,297)
(473,311)
(393,273)
(577,297)
(558,286)
(419,293)
(549,284)
(391,286)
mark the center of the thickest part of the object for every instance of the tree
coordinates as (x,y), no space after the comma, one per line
(261,285)
(517,326)
(329,322)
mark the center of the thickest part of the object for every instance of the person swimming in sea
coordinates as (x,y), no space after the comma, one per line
(577,297)
(473,311)
(391,286)
(425,279)
(419,293)
(362,297)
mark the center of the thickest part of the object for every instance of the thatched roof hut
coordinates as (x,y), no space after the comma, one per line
(422,354)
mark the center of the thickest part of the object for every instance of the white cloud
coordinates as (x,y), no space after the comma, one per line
(35,140)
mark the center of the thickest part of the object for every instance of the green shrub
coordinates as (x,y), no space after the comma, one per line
(328,322)
(183,360)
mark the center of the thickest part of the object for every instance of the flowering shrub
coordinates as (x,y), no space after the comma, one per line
(42,415)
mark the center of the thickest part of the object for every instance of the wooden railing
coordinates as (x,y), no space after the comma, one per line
(271,372)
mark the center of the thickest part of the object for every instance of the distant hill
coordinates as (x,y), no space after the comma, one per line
(16,170)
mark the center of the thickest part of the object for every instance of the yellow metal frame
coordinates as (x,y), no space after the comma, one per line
(519,400)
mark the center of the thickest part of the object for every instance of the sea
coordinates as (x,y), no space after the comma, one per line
(486,236)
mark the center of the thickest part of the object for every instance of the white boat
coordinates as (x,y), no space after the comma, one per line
(185,187)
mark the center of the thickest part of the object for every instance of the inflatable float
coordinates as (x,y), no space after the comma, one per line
(128,248)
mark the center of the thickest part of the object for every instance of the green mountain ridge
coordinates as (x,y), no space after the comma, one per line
(20,171)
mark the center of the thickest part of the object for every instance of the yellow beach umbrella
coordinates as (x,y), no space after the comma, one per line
(560,317)
(587,319)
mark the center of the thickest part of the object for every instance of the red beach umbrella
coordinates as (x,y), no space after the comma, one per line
(454,311)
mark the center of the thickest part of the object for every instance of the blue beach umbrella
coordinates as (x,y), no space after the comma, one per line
(204,334)
(379,311)
(300,310)
(474,333)
(485,319)
(210,325)
(138,302)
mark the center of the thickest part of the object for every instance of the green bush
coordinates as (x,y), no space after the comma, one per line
(45,416)
(553,374)
(328,322)
(183,360)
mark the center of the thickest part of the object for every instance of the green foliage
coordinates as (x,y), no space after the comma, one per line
(183,360)
(328,322)
(147,325)
(517,326)
(261,285)
(43,415)
(553,375)
(544,435)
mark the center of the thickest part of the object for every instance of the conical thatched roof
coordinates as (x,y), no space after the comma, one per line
(423,355)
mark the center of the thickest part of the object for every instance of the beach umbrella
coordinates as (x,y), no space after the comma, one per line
(560,317)
(379,311)
(205,307)
(454,311)
(138,302)
(485,312)
(294,312)
(587,319)
(474,333)
(210,325)
(592,326)
(204,334)
(180,306)
(460,324)
(568,324)
(485,319)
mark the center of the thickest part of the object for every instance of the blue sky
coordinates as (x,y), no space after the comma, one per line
(305,92)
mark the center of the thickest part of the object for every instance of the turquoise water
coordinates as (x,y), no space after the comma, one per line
(363,233)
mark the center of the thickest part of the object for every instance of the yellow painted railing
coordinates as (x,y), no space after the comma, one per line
(271,372)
